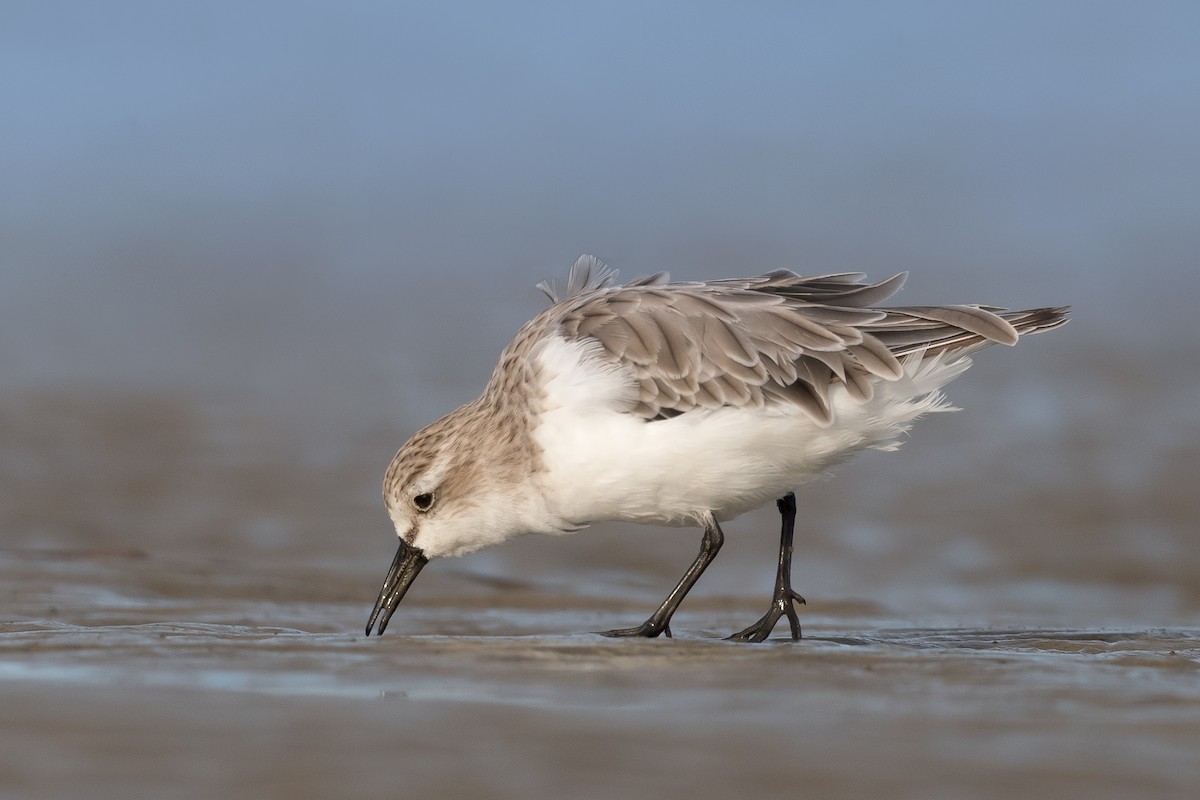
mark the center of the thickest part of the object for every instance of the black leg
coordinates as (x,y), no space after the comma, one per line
(660,620)
(783,597)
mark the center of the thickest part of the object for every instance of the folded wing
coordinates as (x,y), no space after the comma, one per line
(778,338)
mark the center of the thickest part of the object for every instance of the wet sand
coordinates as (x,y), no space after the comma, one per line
(123,675)
(185,586)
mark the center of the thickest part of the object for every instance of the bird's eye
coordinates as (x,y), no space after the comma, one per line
(423,502)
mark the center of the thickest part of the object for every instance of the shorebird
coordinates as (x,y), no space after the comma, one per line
(678,404)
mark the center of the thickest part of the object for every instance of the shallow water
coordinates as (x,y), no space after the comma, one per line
(124,673)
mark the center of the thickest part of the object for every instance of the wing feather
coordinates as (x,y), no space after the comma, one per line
(777,338)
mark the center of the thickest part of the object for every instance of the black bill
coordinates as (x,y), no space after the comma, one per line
(405,567)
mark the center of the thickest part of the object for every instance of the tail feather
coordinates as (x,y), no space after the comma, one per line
(963,342)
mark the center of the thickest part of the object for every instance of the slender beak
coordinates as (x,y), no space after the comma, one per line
(405,567)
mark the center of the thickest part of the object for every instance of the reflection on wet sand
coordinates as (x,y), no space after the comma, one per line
(252,687)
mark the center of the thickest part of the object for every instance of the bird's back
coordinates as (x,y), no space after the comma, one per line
(780,338)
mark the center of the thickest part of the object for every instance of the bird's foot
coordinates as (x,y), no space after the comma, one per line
(649,629)
(783,604)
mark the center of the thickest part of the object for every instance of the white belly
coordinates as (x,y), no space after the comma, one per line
(602,464)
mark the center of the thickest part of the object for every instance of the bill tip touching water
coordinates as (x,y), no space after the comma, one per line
(680,404)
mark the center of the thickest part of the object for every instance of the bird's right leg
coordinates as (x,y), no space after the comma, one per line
(659,621)
(784,598)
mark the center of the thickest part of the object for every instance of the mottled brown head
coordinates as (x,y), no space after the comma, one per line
(430,476)
(463,482)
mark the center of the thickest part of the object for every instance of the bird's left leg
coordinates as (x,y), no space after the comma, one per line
(783,598)
(660,621)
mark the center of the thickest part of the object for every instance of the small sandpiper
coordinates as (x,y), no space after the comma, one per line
(678,404)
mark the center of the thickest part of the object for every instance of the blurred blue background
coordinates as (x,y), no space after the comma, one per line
(312,226)
(183,180)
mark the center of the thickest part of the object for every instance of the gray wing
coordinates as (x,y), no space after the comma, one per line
(778,338)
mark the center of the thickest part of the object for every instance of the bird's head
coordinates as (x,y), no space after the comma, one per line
(448,494)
